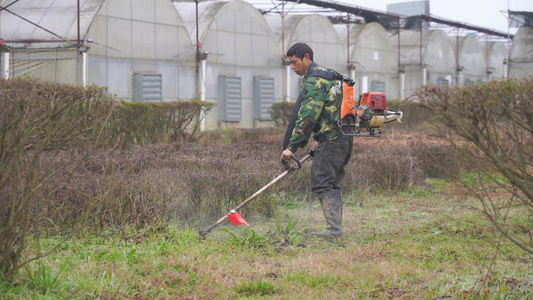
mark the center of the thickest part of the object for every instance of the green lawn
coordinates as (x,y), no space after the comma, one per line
(421,244)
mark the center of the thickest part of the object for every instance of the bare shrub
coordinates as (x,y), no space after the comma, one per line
(281,112)
(396,163)
(162,122)
(414,116)
(495,121)
(197,183)
(37,121)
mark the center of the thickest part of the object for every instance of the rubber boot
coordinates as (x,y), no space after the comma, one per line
(332,208)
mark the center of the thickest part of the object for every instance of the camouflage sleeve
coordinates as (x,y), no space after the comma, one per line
(313,99)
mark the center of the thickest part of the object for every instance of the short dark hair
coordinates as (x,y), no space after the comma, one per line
(299,50)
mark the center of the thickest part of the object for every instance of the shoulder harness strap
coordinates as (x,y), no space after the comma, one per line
(330,75)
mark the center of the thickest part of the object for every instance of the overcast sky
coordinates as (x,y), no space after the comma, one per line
(483,13)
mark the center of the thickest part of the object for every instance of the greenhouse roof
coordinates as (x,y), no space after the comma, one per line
(50,23)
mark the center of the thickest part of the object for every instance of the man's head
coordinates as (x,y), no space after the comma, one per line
(300,56)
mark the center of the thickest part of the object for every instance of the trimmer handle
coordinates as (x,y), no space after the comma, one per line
(290,168)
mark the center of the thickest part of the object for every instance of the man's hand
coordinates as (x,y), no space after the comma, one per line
(286,154)
(312,145)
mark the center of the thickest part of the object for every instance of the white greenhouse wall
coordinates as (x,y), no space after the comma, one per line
(376,59)
(239,43)
(496,52)
(434,50)
(318,32)
(470,55)
(521,64)
(141,37)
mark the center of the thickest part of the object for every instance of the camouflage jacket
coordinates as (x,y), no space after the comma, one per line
(319,109)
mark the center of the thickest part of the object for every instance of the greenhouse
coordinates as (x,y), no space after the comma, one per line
(521,56)
(117,45)
(470,61)
(495,55)
(426,57)
(45,38)
(241,61)
(316,31)
(373,59)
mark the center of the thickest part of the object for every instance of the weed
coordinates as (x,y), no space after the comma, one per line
(250,239)
(289,234)
(163,247)
(42,278)
(132,257)
(309,280)
(418,191)
(437,183)
(256,288)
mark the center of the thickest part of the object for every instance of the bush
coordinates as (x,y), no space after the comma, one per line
(163,122)
(495,121)
(414,116)
(38,120)
(281,112)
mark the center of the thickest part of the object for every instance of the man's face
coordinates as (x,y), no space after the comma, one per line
(299,65)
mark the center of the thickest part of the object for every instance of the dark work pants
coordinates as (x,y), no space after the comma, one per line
(328,168)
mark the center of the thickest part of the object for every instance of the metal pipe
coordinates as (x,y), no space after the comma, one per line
(197,30)
(352,76)
(348,39)
(288,83)
(457,62)
(505,69)
(203,75)
(424,74)
(6,65)
(283,27)
(79,34)
(85,71)
(402,85)
(399,63)
(364,84)
(421,39)
(505,66)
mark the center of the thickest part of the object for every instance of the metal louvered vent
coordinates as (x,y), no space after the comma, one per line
(377,86)
(263,97)
(147,87)
(443,83)
(469,82)
(230,99)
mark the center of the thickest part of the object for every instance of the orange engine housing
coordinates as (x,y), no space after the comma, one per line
(375,100)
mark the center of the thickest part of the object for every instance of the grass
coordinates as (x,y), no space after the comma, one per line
(419,244)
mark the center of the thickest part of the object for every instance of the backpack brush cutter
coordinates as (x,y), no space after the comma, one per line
(362,120)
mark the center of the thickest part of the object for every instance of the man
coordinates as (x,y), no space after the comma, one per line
(317,116)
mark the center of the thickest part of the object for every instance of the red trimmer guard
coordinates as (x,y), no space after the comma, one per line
(236,219)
